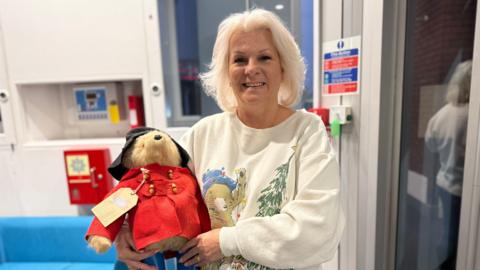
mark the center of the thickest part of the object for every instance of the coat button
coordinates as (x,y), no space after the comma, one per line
(174,188)
(145,172)
(151,189)
(170,174)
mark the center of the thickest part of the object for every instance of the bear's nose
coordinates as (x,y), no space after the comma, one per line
(157,137)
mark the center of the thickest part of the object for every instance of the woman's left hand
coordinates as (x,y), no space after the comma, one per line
(203,249)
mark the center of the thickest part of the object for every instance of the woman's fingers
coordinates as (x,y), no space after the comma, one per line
(125,237)
(196,261)
(189,255)
(203,249)
(133,258)
(127,253)
(193,242)
(189,250)
(129,240)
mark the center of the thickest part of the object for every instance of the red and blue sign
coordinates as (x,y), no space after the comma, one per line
(341,66)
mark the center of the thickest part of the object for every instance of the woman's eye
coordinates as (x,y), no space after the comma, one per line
(265,57)
(239,60)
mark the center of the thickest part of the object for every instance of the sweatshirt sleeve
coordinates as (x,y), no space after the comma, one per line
(430,136)
(308,229)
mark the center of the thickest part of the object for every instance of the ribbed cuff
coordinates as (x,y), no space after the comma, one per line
(228,243)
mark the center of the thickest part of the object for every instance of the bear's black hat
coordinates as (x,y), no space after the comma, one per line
(117,170)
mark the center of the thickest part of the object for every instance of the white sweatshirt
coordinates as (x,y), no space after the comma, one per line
(275,192)
(446,135)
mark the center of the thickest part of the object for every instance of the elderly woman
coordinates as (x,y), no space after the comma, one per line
(285,199)
(446,137)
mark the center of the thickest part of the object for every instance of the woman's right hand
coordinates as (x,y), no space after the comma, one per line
(127,253)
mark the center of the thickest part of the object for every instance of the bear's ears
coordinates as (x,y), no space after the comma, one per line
(117,170)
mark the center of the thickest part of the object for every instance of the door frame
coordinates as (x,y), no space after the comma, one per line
(391,99)
(393,48)
(468,252)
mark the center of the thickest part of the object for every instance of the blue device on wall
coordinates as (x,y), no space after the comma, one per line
(91,103)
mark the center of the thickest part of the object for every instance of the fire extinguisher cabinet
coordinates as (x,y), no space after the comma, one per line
(87,175)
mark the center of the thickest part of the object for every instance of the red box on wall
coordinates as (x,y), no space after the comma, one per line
(136,112)
(87,176)
(324,113)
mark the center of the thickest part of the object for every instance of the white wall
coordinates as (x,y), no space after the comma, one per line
(52,42)
(9,188)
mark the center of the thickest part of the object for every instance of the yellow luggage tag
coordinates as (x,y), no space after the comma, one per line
(115,205)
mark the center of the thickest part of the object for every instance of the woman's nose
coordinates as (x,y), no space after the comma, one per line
(252,68)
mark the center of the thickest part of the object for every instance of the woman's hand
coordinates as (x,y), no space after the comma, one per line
(127,252)
(203,249)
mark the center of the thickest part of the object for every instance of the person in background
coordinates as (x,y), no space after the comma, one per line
(268,173)
(446,137)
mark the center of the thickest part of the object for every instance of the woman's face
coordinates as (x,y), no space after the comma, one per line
(254,69)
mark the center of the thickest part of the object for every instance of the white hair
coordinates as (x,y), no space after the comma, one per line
(216,82)
(458,90)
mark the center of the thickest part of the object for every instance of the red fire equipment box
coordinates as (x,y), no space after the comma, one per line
(323,113)
(87,175)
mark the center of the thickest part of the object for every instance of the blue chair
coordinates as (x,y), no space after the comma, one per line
(53,243)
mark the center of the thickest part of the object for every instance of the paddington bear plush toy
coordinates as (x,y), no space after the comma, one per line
(170,209)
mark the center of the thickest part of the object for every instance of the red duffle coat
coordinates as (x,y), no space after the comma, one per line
(169,204)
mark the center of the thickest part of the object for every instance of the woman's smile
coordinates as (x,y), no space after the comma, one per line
(253,84)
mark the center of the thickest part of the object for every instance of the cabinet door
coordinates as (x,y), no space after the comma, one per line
(55,40)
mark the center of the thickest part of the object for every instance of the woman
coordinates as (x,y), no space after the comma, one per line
(446,137)
(284,203)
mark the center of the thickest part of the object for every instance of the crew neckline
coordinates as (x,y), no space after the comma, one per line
(240,125)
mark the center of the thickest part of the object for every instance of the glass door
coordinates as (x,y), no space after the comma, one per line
(437,74)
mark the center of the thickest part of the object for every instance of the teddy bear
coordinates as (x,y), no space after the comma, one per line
(170,209)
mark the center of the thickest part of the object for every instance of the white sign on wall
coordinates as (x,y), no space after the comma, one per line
(341,66)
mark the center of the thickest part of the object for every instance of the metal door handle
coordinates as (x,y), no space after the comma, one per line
(93,177)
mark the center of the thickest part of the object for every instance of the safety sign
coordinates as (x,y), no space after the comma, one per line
(341,66)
